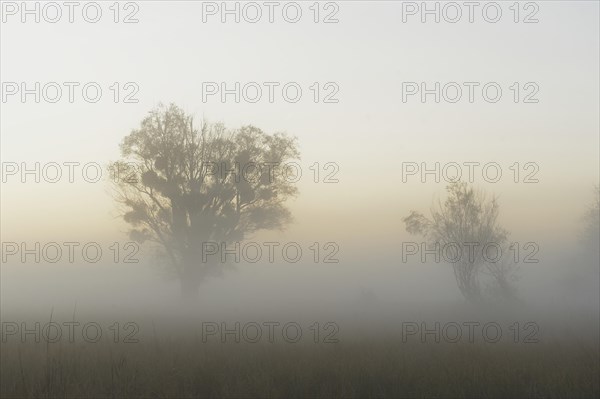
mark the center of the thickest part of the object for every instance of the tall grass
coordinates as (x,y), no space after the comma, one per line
(365,368)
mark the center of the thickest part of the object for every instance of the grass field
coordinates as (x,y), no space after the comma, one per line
(377,368)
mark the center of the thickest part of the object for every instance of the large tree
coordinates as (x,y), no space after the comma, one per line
(465,224)
(191,185)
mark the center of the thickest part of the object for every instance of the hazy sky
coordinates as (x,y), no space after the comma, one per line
(369,133)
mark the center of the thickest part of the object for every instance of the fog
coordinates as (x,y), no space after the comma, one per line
(368,294)
(380,139)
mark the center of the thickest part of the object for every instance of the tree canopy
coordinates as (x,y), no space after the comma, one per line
(186,185)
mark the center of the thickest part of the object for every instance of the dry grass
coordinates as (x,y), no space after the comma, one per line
(362,368)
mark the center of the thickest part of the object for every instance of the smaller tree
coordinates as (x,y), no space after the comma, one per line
(463,226)
(591,233)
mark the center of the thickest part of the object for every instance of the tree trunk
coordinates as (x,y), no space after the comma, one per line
(189,288)
(190,279)
(195,272)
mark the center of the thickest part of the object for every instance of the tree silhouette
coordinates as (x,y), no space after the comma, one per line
(591,233)
(467,218)
(190,186)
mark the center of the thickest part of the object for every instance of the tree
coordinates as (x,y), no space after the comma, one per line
(464,226)
(591,233)
(191,186)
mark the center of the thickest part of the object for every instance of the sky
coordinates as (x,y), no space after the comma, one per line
(370,133)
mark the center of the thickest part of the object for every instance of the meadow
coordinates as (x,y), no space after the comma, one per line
(357,367)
